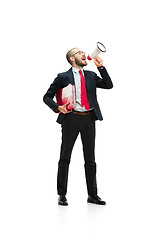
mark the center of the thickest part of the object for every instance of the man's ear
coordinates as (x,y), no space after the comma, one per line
(72,59)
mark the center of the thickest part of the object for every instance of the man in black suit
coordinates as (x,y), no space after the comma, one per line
(79,120)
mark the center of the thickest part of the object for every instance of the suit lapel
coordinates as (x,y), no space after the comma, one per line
(71,77)
(87,79)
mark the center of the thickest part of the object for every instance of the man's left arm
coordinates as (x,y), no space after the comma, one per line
(105,80)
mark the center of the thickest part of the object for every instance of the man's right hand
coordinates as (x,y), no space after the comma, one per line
(98,61)
(63,108)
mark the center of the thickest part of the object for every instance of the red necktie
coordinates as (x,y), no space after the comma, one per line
(84,97)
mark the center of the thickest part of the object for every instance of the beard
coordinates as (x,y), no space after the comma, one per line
(80,63)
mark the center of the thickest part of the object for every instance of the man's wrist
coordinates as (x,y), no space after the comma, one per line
(101,67)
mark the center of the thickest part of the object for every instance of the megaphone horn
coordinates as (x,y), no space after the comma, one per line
(100,48)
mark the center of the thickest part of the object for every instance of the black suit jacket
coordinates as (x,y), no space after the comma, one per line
(92,82)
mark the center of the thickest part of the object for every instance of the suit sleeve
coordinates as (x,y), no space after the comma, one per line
(48,97)
(105,80)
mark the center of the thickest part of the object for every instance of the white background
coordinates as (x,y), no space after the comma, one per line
(35,36)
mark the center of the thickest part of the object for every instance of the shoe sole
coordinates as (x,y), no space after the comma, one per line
(100,203)
(63,204)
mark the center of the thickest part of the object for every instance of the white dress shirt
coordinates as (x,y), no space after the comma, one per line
(77,79)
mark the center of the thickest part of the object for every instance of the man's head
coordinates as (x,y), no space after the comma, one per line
(76,58)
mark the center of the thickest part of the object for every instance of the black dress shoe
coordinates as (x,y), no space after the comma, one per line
(96,200)
(62,201)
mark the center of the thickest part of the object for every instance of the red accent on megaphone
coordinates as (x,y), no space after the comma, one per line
(89,58)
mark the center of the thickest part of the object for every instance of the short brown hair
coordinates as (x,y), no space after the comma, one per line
(69,54)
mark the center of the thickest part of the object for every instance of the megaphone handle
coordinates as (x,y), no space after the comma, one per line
(98,61)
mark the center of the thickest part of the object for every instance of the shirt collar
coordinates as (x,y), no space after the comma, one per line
(76,70)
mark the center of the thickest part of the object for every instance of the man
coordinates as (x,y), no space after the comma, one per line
(79,120)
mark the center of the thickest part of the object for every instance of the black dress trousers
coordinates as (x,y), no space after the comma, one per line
(73,125)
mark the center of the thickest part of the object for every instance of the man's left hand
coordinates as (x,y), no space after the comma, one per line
(98,61)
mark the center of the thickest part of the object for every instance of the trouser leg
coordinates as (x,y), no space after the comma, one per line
(69,135)
(88,141)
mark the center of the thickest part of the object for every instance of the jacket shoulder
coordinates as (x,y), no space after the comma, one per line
(64,74)
(90,73)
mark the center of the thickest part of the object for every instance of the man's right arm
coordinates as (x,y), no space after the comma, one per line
(48,97)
